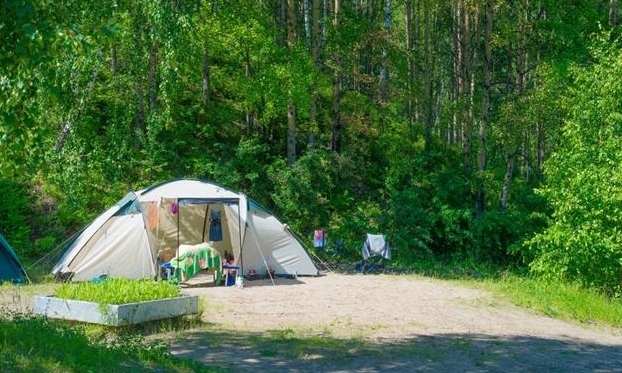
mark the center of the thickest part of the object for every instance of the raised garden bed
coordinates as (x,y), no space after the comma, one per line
(115,315)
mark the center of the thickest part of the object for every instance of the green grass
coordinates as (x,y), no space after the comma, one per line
(557,299)
(560,300)
(34,344)
(118,291)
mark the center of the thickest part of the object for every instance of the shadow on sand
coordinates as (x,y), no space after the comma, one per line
(283,351)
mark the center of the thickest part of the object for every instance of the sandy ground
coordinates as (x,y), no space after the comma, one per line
(374,323)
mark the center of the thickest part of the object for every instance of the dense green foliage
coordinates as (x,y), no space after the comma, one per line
(15,211)
(481,131)
(583,241)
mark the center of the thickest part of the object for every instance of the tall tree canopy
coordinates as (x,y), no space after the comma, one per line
(427,120)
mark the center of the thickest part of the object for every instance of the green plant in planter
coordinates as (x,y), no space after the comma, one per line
(118,291)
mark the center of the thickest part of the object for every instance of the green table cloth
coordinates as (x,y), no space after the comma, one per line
(187,265)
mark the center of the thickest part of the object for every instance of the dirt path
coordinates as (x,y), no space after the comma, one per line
(374,323)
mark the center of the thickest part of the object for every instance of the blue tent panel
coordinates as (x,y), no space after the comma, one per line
(11,270)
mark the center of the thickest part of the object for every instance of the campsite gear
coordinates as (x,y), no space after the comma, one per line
(375,250)
(11,269)
(167,271)
(231,273)
(239,281)
(193,259)
(126,240)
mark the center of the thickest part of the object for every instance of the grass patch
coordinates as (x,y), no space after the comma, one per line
(35,344)
(295,345)
(559,300)
(118,291)
(564,301)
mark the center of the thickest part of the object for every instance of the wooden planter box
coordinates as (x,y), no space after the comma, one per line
(115,315)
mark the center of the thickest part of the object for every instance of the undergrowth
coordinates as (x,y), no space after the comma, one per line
(558,299)
(565,301)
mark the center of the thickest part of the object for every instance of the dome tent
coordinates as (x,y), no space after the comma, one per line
(11,269)
(126,239)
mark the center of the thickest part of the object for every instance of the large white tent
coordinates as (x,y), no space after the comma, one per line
(125,240)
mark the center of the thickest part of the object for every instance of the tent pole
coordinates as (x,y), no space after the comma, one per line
(157,230)
(203,238)
(177,252)
(240,237)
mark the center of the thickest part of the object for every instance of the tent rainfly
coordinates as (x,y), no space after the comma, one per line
(127,239)
(11,269)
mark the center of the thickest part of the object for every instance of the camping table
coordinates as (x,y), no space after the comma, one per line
(193,262)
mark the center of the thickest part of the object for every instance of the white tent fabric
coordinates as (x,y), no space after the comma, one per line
(125,240)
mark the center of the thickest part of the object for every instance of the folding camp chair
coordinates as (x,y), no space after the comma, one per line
(375,251)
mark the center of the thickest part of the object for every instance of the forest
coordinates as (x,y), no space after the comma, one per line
(470,131)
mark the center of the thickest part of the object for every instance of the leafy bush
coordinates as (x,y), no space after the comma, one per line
(411,225)
(15,214)
(584,182)
(303,193)
(243,167)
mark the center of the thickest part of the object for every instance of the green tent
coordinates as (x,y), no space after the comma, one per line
(11,270)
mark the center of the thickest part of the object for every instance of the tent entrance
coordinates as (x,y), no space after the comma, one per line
(173,222)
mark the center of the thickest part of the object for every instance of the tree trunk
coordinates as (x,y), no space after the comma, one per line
(248,71)
(384,71)
(462,69)
(315,44)
(427,78)
(410,66)
(454,127)
(540,150)
(306,7)
(152,80)
(140,109)
(614,19)
(525,156)
(291,133)
(507,179)
(483,128)
(206,75)
(336,130)
(82,101)
(114,62)
(315,30)
(140,25)
(291,107)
